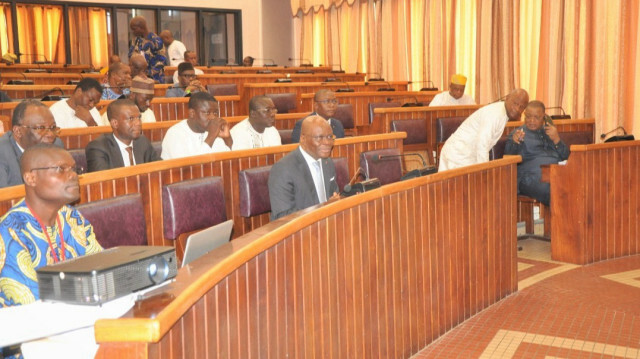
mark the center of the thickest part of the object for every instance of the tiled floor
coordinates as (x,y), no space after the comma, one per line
(560,311)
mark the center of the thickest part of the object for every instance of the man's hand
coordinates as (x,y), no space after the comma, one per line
(552,132)
(84,114)
(518,136)
(195,86)
(334,197)
(218,127)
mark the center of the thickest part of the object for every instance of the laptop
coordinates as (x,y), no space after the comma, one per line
(206,240)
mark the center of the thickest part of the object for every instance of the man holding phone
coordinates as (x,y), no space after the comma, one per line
(539,143)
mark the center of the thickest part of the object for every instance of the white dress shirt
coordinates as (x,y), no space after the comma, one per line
(246,137)
(445,99)
(65,116)
(180,141)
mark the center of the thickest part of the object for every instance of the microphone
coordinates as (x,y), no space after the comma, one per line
(21,82)
(564,116)
(264,72)
(304,71)
(623,137)
(46,96)
(308,64)
(273,63)
(283,80)
(45,62)
(224,61)
(341,71)
(331,79)
(372,79)
(427,88)
(415,102)
(344,89)
(388,88)
(500,99)
(418,172)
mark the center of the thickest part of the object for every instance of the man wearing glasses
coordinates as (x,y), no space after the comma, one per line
(126,146)
(42,228)
(32,123)
(187,82)
(306,176)
(325,105)
(257,130)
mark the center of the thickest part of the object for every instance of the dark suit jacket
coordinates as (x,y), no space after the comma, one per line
(336,126)
(103,153)
(291,186)
(10,154)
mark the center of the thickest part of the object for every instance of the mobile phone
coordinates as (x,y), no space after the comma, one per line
(547,120)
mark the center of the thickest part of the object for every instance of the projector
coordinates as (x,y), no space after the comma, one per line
(98,278)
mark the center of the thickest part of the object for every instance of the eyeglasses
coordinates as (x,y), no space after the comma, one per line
(61,169)
(326,137)
(268,110)
(41,130)
(333,101)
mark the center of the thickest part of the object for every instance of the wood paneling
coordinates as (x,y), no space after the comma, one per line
(360,101)
(6,68)
(377,275)
(148,179)
(595,203)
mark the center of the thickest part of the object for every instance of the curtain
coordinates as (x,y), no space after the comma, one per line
(6,35)
(581,55)
(41,33)
(88,31)
(306,6)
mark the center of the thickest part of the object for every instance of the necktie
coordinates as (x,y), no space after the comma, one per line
(322,195)
(130,151)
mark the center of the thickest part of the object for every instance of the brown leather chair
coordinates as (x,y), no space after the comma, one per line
(192,205)
(374,105)
(387,170)
(254,191)
(342,172)
(445,127)
(284,102)
(223,89)
(285,136)
(344,114)
(117,221)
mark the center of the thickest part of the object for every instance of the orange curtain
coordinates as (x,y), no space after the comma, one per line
(581,55)
(6,33)
(306,6)
(88,31)
(41,33)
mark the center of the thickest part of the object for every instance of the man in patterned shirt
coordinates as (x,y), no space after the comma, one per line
(150,46)
(42,228)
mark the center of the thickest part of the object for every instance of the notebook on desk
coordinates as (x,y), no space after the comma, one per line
(200,243)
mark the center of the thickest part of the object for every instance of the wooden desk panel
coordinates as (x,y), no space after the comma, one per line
(54,78)
(148,179)
(169,70)
(595,203)
(299,88)
(378,275)
(360,101)
(5,68)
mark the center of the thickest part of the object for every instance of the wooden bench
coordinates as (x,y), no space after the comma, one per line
(148,179)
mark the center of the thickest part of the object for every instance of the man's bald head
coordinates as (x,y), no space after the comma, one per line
(167,37)
(37,156)
(515,103)
(316,137)
(50,177)
(138,26)
(138,65)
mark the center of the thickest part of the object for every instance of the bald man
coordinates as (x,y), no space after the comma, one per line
(455,96)
(175,48)
(118,81)
(150,46)
(138,66)
(306,176)
(475,137)
(42,228)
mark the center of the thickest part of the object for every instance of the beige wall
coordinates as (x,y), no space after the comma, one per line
(252,39)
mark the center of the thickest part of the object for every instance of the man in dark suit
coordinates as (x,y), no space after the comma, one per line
(126,146)
(325,105)
(32,123)
(306,176)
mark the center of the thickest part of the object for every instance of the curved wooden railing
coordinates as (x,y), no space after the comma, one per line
(380,274)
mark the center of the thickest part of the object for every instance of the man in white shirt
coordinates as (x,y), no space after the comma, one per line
(455,96)
(203,132)
(192,58)
(80,109)
(471,142)
(257,130)
(175,48)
